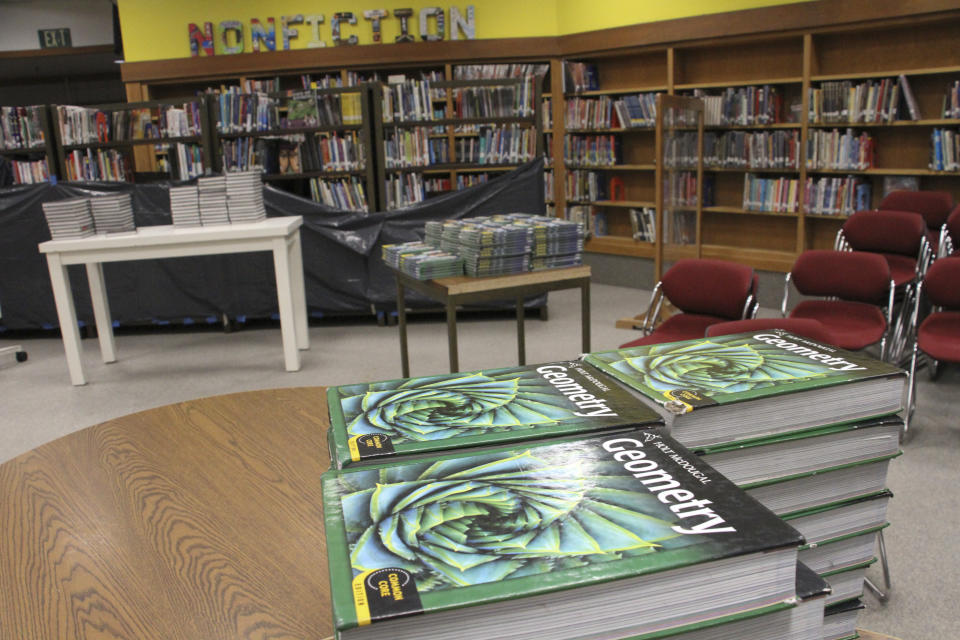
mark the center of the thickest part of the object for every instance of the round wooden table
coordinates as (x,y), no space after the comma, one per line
(199,520)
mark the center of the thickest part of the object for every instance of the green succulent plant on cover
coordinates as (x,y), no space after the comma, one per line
(714,366)
(486,518)
(440,407)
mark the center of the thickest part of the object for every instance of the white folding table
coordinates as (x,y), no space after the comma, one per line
(279,235)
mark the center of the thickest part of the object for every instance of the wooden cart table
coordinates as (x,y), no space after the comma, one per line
(464,290)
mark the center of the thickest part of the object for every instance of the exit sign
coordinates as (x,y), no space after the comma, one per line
(53,38)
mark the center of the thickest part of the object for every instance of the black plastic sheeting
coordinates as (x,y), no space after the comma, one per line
(341,255)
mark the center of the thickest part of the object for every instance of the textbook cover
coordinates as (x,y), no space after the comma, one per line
(429,414)
(716,377)
(464,541)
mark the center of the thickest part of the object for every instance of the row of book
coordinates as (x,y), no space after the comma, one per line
(405,101)
(580,76)
(496,101)
(86,125)
(238,112)
(108,165)
(683,482)
(404,189)
(780,195)
(945,150)
(836,196)
(643,224)
(343,193)
(604,112)
(839,150)
(30,171)
(590,186)
(951,101)
(433,186)
(502,144)
(743,106)
(885,100)
(591,150)
(497,71)
(185,162)
(22,127)
(745,149)
(294,154)
(679,227)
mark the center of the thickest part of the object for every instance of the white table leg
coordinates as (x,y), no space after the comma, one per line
(101,311)
(67,315)
(299,292)
(288,329)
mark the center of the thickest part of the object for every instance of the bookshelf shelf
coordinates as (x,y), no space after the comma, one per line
(612,167)
(738,83)
(617,130)
(886,73)
(23,152)
(453,167)
(130,143)
(620,245)
(749,212)
(627,204)
(440,122)
(937,122)
(271,177)
(288,131)
(884,172)
(749,127)
(712,169)
(616,91)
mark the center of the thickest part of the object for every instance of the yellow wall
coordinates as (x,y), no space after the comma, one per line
(156,30)
(576,15)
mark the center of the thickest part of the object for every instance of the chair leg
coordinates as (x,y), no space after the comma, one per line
(911,392)
(882,596)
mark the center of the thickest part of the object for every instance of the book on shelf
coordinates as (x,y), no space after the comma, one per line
(340,193)
(404,189)
(454,412)
(29,171)
(605,112)
(749,385)
(945,150)
(643,224)
(840,150)
(749,149)
(536,540)
(778,195)
(237,112)
(743,106)
(591,150)
(496,71)
(597,223)
(912,108)
(836,196)
(22,127)
(108,165)
(951,101)
(580,76)
(876,101)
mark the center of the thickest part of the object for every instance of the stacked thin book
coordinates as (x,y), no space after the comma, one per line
(555,243)
(805,428)
(70,218)
(112,213)
(840,620)
(185,206)
(614,535)
(422,261)
(212,197)
(245,197)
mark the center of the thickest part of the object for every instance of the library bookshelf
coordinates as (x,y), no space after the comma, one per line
(792,49)
(32,159)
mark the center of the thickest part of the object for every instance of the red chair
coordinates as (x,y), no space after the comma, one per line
(934,206)
(949,244)
(901,238)
(938,336)
(706,292)
(805,327)
(859,294)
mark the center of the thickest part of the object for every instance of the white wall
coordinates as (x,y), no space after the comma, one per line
(90,22)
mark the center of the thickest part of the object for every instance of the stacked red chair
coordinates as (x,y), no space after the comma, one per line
(855,291)
(934,206)
(938,336)
(949,245)
(900,237)
(706,292)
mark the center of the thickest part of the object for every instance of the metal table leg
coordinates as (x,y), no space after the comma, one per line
(521,338)
(402,323)
(585,314)
(452,335)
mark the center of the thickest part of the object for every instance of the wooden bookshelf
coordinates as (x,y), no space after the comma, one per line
(792,47)
(136,151)
(46,152)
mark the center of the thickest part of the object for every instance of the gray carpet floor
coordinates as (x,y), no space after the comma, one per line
(38,404)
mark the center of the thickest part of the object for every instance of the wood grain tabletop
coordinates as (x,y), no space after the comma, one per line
(195,521)
(199,520)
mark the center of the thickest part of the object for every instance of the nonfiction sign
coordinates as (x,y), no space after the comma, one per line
(431,21)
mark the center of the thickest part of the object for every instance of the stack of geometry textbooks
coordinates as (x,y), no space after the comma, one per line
(245,197)
(112,213)
(212,197)
(805,428)
(70,218)
(421,260)
(544,501)
(185,206)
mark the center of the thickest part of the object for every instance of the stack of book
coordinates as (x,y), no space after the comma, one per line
(805,428)
(70,218)
(840,620)
(421,260)
(212,197)
(554,243)
(244,193)
(604,535)
(185,206)
(489,245)
(112,213)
